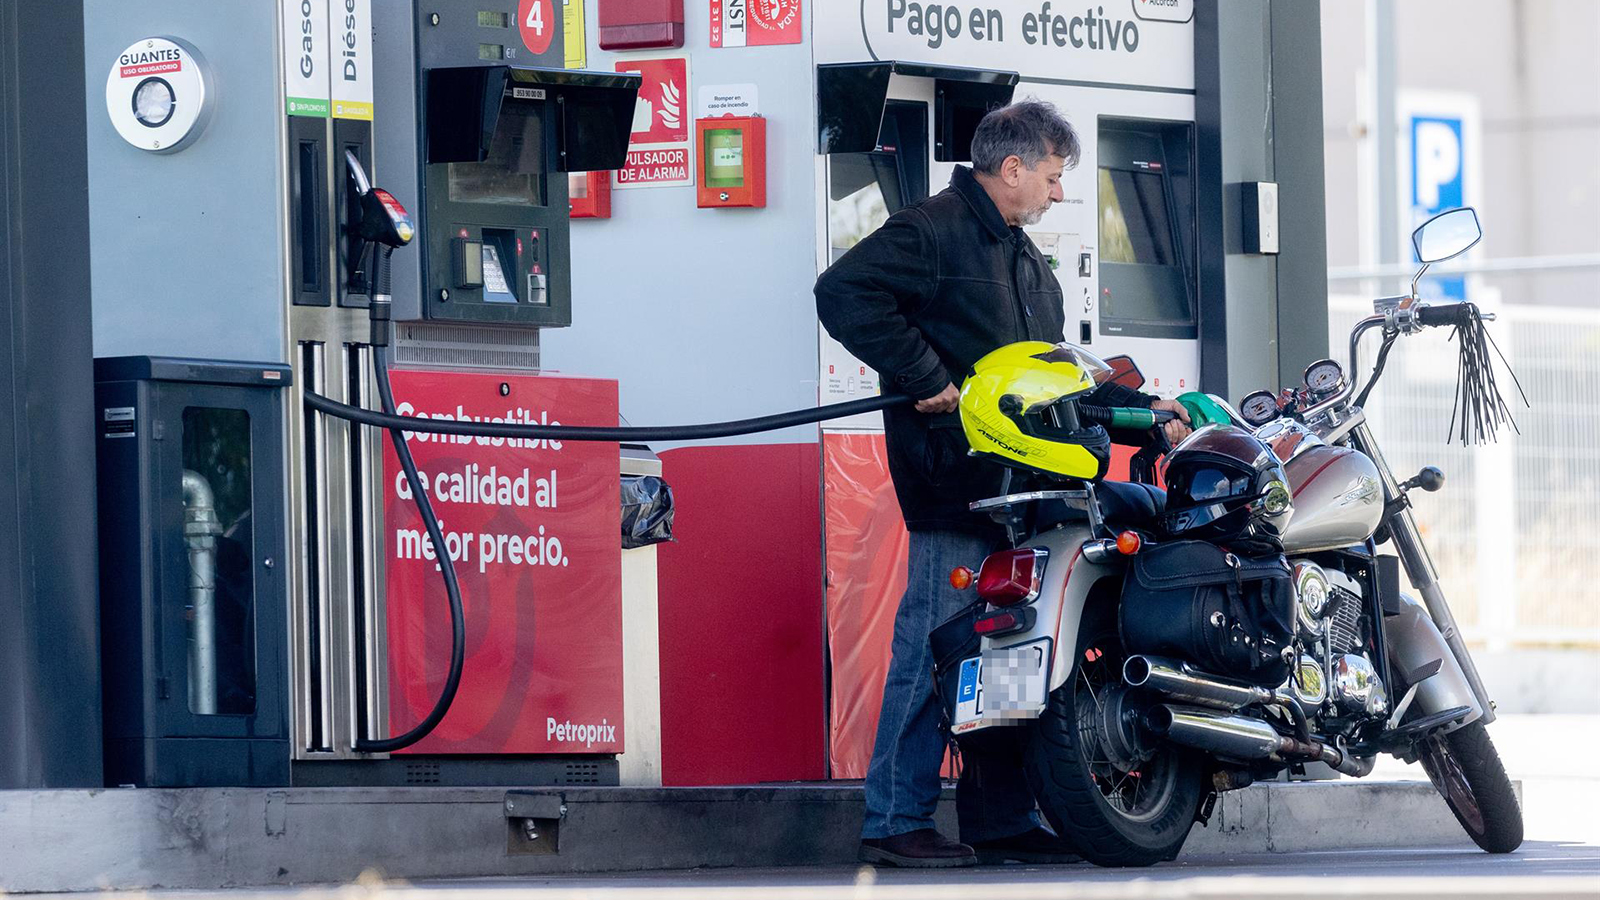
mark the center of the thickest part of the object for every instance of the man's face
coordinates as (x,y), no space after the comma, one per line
(1038,188)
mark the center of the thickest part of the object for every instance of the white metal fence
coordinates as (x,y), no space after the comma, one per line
(1515,531)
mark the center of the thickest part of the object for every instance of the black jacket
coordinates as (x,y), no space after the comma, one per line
(920,300)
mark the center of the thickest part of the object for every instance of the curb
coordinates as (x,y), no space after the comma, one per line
(210,838)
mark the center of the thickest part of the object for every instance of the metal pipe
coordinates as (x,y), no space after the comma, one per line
(1243,738)
(1176,680)
(1381,145)
(200,530)
(1572,262)
(1235,737)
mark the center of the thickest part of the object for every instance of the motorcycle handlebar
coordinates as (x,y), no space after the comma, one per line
(1450,314)
(1435,315)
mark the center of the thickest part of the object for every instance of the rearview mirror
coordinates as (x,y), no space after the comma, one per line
(1125,371)
(1447,234)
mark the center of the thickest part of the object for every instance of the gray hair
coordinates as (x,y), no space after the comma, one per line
(1028,129)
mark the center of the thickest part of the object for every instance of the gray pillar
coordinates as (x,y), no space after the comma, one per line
(49,615)
(1297,152)
(1258,107)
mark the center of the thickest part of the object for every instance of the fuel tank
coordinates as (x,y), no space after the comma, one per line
(1338,499)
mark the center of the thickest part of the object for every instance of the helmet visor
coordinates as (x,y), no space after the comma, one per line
(1094,366)
(1202,494)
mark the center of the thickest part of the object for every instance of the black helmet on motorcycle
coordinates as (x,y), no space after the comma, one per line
(1223,484)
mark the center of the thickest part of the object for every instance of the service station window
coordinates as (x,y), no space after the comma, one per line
(219,585)
(513,173)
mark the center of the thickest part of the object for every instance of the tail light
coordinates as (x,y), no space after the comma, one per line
(1012,576)
(1005,621)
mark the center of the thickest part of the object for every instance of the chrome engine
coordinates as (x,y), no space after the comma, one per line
(1332,692)
(1330,674)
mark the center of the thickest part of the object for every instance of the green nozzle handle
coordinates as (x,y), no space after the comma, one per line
(1130,418)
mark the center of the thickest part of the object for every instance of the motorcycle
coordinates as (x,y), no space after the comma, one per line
(1129,740)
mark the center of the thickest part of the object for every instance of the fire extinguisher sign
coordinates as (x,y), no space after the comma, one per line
(534,531)
(755,23)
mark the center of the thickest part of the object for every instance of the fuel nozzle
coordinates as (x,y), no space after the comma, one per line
(386,223)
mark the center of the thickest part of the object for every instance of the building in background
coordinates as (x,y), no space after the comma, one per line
(1494,104)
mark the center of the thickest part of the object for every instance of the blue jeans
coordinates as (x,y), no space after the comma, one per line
(993,800)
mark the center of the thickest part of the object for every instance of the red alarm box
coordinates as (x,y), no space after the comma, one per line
(733,161)
(589,195)
(640,24)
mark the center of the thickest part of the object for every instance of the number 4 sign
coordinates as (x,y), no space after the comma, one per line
(536,21)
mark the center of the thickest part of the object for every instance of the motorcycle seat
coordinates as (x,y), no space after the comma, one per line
(1124,504)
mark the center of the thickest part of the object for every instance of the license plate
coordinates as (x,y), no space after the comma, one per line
(969,695)
(1002,683)
(1014,677)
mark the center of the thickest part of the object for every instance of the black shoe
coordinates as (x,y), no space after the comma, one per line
(924,848)
(1036,846)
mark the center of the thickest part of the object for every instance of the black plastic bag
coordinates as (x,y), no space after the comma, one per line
(646,511)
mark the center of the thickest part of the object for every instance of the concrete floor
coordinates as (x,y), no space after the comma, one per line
(1553,755)
(1560,859)
(1543,869)
(1539,870)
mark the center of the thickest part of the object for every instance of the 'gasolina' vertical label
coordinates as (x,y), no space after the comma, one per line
(305,58)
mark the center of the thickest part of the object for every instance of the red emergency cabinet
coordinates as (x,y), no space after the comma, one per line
(733,161)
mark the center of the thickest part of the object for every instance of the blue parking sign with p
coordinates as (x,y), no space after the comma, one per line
(1438,157)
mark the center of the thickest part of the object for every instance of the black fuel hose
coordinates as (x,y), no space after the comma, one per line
(396,425)
(458,624)
(587,433)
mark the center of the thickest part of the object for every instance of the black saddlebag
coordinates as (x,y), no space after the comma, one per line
(1226,613)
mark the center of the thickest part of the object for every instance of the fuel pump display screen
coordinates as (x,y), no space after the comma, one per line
(513,172)
(724,156)
(1146,228)
(1134,226)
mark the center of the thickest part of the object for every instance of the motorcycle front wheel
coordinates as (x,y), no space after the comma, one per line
(1466,770)
(1115,814)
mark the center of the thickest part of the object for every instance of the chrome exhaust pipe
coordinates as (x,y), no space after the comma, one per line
(1176,680)
(1234,737)
(1243,738)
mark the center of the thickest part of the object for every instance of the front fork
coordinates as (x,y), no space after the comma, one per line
(1419,566)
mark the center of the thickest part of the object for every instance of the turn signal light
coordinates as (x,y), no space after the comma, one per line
(1012,576)
(1128,543)
(961,578)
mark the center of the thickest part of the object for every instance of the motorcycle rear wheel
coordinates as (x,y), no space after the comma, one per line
(1466,770)
(1112,816)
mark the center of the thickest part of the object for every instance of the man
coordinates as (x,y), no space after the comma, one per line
(920,300)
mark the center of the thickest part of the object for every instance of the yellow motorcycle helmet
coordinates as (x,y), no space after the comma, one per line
(1020,406)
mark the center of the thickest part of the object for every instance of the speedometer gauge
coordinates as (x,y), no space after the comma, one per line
(1259,407)
(1325,378)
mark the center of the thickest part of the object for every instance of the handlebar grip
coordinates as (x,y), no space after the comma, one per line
(1437,314)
